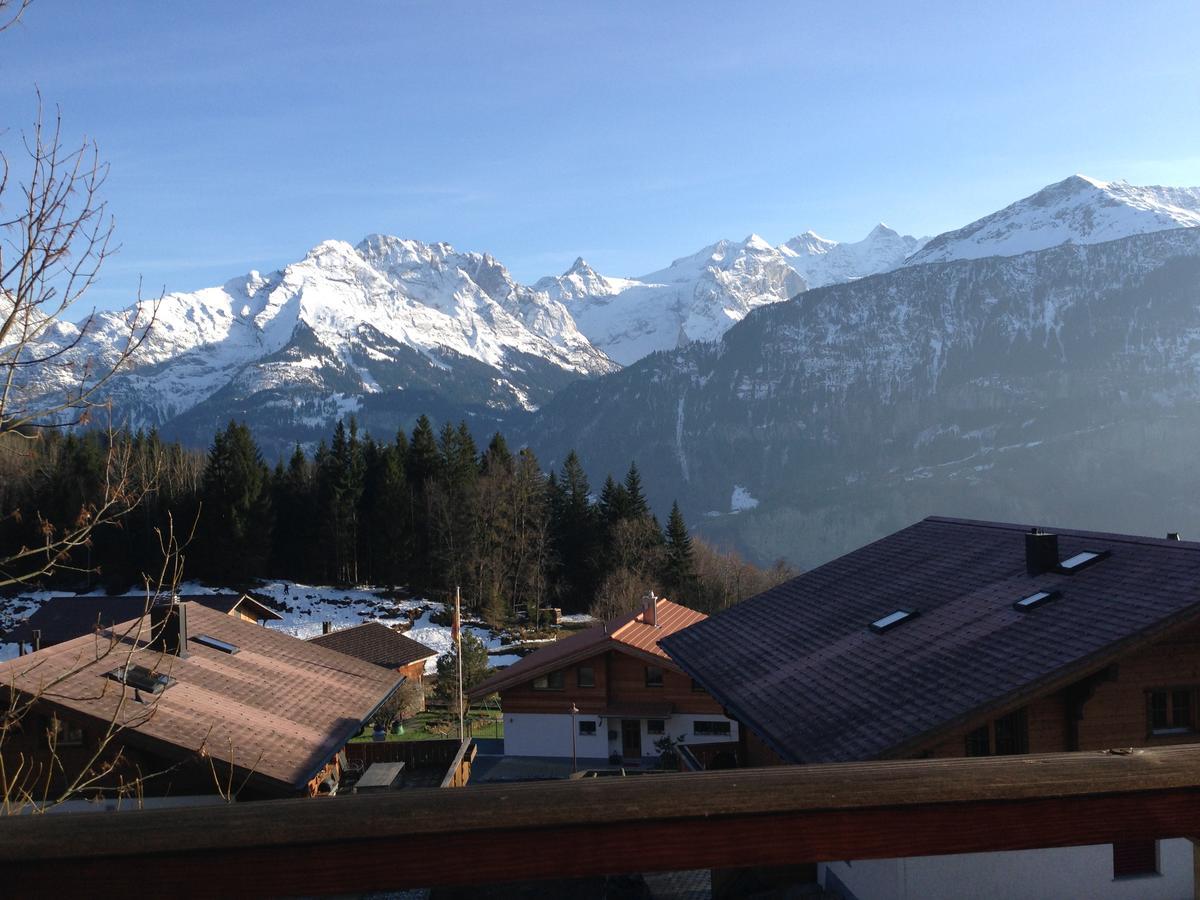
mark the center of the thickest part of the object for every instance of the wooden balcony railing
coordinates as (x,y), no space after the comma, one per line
(722,819)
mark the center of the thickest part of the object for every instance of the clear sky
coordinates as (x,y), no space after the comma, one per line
(240,134)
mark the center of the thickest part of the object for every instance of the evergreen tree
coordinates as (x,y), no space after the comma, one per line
(679,573)
(236,510)
(635,501)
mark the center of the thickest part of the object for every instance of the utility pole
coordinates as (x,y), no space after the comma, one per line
(458,653)
(574,762)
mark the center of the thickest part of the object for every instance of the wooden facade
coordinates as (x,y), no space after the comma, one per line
(618,680)
(1111,708)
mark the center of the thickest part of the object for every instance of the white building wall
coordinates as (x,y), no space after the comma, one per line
(1066,872)
(549,734)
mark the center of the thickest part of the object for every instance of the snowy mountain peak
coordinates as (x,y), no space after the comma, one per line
(821,261)
(1079,209)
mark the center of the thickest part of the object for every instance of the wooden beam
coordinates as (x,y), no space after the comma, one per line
(737,818)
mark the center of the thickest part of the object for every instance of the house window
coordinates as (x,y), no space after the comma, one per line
(710,729)
(654,676)
(585,677)
(697,686)
(66,734)
(553,681)
(1134,858)
(1005,736)
(656,726)
(1172,710)
(587,729)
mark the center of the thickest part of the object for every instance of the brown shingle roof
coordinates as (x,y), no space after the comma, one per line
(62,618)
(376,643)
(281,707)
(628,633)
(799,665)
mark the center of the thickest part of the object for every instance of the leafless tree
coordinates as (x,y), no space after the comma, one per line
(55,234)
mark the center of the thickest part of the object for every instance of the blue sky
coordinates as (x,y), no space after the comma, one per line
(241,134)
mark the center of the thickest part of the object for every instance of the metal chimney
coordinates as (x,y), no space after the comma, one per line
(1041,552)
(650,609)
(168,627)
(326,627)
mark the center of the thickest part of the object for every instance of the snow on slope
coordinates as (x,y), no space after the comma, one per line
(1079,209)
(697,297)
(820,261)
(427,297)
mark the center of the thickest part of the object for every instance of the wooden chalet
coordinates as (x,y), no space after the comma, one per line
(955,638)
(376,643)
(199,700)
(63,618)
(608,692)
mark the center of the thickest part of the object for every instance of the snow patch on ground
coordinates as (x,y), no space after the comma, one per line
(741,500)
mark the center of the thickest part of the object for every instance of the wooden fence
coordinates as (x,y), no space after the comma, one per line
(415,754)
(717,819)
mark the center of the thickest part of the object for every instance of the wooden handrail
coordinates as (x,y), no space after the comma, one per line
(720,819)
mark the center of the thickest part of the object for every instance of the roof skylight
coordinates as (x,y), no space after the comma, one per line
(216,643)
(1035,600)
(1082,559)
(141,678)
(891,620)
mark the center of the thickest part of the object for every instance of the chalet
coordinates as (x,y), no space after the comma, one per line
(957,638)
(608,691)
(63,618)
(199,699)
(376,643)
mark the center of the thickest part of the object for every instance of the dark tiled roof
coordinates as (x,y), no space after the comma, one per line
(280,707)
(375,643)
(799,665)
(629,632)
(63,618)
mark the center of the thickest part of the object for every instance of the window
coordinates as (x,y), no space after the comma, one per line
(1134,858)
(1081,560)
(1172,710)
(215,643)
(587,728)
(697,686)
(66,734)
(553,681)
(654,676)
(656,726)
(585,676)
(141,678)
(891,620)
(710,729)
(1035,600)
(1005,736)
(979,742)
(1011,734)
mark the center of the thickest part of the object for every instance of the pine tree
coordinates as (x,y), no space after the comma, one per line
(236,507)
(636,505)
(679,573)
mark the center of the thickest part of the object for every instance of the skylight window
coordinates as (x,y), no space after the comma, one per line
(1082,560)
(141,678)
(1035,600)
(891,620)
(216,643)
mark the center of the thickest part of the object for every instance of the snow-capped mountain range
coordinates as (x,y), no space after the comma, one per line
(1077,210)
(392,327)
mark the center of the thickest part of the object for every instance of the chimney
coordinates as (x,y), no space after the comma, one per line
(168,627)
(1174,536)
(650,609)
(1041,552)
(326,627)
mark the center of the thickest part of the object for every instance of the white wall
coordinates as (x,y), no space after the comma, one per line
(1019,875)
(549,734)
